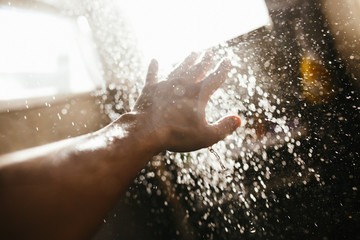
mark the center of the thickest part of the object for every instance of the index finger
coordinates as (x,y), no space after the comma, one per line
(184,66)
(209,85)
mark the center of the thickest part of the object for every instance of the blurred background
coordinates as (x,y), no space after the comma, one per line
(71,67)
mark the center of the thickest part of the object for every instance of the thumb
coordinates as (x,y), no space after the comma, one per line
(224,127)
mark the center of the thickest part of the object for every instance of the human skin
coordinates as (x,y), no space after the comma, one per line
(64,189)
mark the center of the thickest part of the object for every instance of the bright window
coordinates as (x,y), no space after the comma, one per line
(43,54)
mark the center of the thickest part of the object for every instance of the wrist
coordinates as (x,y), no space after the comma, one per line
(139,130)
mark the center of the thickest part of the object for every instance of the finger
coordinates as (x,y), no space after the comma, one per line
(198,71)
(184,66)
(209,85)
(152,74)
(223,128)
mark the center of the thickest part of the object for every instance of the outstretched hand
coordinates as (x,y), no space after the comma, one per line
(76,181)
(175,109)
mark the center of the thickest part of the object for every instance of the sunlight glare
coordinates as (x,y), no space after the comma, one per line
(169,30)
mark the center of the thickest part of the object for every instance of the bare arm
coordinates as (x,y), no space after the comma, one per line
(63,190)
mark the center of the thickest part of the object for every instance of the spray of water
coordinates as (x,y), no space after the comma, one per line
(228,189)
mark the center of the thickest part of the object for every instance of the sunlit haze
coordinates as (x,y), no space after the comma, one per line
(169,30)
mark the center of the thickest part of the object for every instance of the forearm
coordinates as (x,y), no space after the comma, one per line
(62,190)
(68,186)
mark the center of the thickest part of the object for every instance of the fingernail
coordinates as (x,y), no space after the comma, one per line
(193,55)
(207,58)
(226,63)
(236,121)
(208,54)
(154,62)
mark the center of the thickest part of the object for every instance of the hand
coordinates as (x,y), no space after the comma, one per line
(168,115)
(175,109)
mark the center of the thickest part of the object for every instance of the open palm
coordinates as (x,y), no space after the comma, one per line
(175,108)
